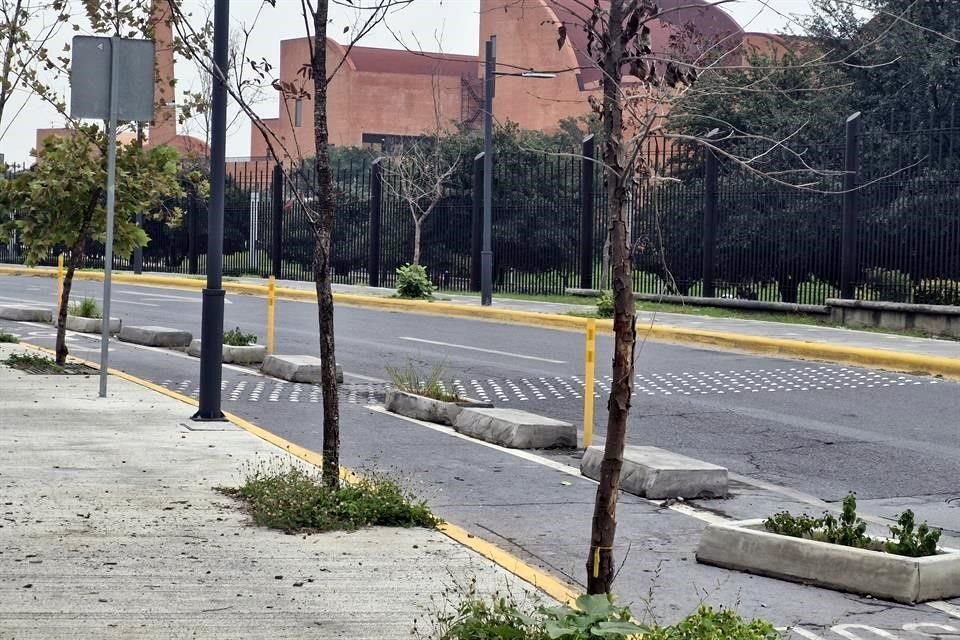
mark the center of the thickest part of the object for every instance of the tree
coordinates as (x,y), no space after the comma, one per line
(60,201)
(419,174)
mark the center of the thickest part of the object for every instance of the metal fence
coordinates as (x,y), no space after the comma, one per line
(879,220)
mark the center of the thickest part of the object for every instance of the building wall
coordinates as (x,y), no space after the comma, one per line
(359,102)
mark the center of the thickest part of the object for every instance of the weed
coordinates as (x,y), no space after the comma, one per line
(910,540)
(411,380)
(850,530)
(594,616)
(8,338)
(85,308)
(237,338)
(413,282)
(289,497)
(710,624)
(605,305)
(470,616)
(33,362)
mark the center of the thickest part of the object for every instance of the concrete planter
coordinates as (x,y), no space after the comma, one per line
(940,320)
(747,546)
(515,429)
(296,368)
(155,336)
(91,325)
(657,474)
(25,313)
(249,354)
(428,409)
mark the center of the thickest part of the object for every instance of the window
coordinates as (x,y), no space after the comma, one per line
(298,113)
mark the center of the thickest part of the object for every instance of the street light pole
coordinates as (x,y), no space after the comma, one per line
(486,255)
(211,335)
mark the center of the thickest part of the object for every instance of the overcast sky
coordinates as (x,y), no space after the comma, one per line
(447,25)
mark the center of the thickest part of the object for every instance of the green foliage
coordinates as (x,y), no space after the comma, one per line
(8,338)
(237,338)
(289,497)
(911,540)
(33,362)
(410,380)
(937,291)
(605,305)
(887,284)
(710,624)
(498,617)
(413,282)
(850,530)
(85,308)
(61,200)
(595,616)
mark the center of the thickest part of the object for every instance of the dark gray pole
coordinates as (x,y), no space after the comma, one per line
(276,205)
(211,347)
(709,222)
(138,251)
(376,206)
(587,168)
(848,246)
(476,224)
(486,256)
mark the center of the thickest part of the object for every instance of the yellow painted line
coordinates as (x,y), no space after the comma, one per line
(540,579)
(822,351)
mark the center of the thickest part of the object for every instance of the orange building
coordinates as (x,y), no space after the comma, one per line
(380,94)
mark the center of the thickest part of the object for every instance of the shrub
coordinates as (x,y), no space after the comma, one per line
(291,498)
(413,282)
(237,338)
(498,617)
(710,624)
(605,308)
(8,338)
(937,292)
(410,380)
(914,542)
(888,285)
(850,530)
(33,362)
(85,308)
(594,616)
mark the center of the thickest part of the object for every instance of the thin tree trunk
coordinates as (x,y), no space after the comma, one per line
(600,568)
(76,260)
(323,232)
(417,234)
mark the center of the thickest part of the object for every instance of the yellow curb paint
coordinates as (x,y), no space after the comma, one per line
(541,580)
(809,350)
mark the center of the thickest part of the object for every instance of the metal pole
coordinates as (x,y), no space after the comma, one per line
(138,250)
(848,224)
(376,218)
(254,223)
(211,336)
(486,256)
(476,223)
(588,383)
(709,223)
(587,168)
(111,203)
(271,314)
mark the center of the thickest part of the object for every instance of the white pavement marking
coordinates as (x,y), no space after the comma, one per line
(845,630)
(945,607)
(941,629)
(469,348)
(704,516)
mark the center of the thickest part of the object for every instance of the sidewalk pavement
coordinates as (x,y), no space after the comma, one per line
(788,331)
(110,528)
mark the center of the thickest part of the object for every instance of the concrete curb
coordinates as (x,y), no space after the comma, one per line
(857,356)
(427,409)
(657,474)
(746,546)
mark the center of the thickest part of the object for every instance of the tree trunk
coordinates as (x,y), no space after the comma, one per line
(322,221)
(600,567)
(417,235)
(76,260)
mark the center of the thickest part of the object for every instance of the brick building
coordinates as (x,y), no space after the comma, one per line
(380,94)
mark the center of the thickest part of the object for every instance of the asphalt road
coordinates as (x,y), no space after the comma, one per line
(818,429)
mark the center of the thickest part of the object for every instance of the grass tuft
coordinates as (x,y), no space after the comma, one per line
(291,498)
(34,363)
(85,308)
(237,338)
(410,380)
(8,338)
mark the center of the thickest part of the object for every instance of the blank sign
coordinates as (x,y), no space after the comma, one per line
(90,78)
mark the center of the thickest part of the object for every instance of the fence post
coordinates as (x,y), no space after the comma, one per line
(276,206)
(848,226)
(193,231)
(588,150)
(376,209)
(254,230)
(709,222)
(476,223)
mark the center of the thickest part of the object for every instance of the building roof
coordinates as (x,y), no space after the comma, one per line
(377,60)
(712,24)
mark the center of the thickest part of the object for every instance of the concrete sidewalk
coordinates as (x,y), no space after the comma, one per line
(110,528)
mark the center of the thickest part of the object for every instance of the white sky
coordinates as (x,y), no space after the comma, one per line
(447,25)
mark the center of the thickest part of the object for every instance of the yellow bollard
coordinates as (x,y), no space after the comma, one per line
(59,284)
(271,312)
(589,360)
